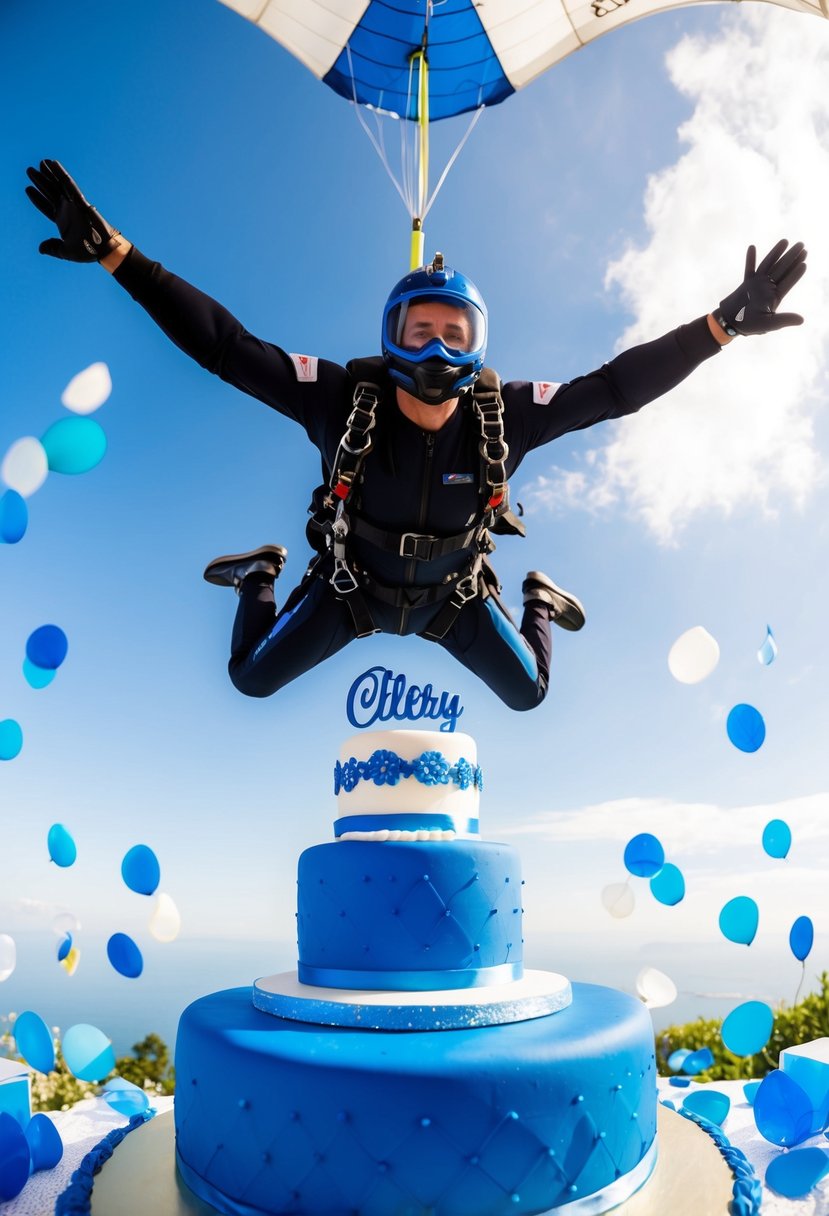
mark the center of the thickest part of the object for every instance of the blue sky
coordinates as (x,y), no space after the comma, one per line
(609,201)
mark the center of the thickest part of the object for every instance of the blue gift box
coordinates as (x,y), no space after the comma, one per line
(15,1091)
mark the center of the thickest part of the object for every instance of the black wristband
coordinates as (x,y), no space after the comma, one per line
(723,324)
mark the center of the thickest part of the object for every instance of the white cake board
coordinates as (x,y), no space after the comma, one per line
(535,995)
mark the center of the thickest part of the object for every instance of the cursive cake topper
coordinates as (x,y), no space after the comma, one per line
(378,695)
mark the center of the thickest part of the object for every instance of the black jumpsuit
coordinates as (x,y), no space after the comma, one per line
(413,481)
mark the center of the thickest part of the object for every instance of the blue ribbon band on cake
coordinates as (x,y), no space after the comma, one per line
(427,822)
(410,981)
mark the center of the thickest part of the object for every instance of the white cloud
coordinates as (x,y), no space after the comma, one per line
(739,433)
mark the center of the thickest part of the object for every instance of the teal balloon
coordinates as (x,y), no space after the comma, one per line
(739,919)
(750,1090)
(15,1158)
(126,1098)
(746,728)
(62,848)
(644,855)
(796,1174)
(14,517)
(64,947)
(37,677)
(125,956)
(34,1041)
(74,445)
(677,1058)
(748,1028)
(668,886)
(88,1052)
(698,1061)
(45,1144)
(782,1110)
(801,938)
(710,1104)
(777,838)
(47,647)
(11,739)
(140,869)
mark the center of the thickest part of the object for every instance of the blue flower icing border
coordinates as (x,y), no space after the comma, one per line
(76,1199)
(747,1190)
(387,768)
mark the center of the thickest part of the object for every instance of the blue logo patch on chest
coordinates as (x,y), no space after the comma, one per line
(458,479)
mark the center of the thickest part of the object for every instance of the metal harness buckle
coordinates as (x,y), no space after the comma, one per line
(416,545)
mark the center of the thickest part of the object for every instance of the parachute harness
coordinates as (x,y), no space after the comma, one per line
(331,523)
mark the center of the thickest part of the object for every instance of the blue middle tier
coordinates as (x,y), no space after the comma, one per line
(411,916)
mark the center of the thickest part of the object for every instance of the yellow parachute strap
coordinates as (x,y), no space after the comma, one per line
(416,257)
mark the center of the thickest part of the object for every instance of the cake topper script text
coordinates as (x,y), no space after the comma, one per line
(378,695)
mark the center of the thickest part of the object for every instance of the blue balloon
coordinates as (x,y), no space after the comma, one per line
(88,1052)
(126,1098)
(644,855)
(140,869)
(739,919)
(782,1110)
(37,677)
(125,956)
(74,445)
(34,1041)
(677,1058)
(64,947)
(15,1159)
(795,1174)
(47,647)
(668,886)
(14,517)
(746,728)
(11,739)
(750,1090)
(710,1104)
(45,1144)
(61,846)
(801,938)
(748,1028)
(698,1061)
(680,1082)
(777,838)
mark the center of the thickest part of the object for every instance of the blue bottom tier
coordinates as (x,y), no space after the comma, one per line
(274,1116)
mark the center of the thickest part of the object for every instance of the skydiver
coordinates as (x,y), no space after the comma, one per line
(417,449)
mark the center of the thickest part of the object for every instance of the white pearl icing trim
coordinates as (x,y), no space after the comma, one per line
(397,834)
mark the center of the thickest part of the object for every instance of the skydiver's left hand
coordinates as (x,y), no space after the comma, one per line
(752,308)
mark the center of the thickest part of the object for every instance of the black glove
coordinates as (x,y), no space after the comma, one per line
(752,308)
(85,234)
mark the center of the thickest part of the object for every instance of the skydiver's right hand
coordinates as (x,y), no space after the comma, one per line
(85,236)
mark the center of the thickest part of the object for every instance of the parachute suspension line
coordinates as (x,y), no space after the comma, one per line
(376,143)
(419,212)
(452,159)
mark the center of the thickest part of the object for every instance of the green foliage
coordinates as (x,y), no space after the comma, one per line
(149,1066)
(807,1020)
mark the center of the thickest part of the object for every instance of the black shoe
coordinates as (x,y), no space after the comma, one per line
(564,609)
(230,570)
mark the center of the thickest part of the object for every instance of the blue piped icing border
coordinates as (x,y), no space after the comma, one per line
(409,822)
(76,1199)
(386,768)
(747,1190)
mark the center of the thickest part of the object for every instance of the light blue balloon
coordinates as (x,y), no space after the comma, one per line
(74,445)
(37,677)
(698,1061)
(750,1090)
(644,855)
(45,1144)
(126,1098)
(88,1052)
(795,1174)
(62,848)
(710,1104)
(11,739)
(677,1058)
(801,938)
(748,1028)
(125,956)
(15,1158)
(140,869)
(746,728)
(46,647)
(782,1110)
(777,838)
(668,886)
(34,1041)
(14,517)
(64,947)
(739,919)
(768,651)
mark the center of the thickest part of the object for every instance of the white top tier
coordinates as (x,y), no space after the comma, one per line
(428,775)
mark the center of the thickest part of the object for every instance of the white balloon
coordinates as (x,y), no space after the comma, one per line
(655,988)
(165,922)
(88,390)
(8,956)
(65,922)
(693,656)
(25,466)
(618,899)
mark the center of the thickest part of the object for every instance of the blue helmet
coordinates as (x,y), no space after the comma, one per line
(435,367)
